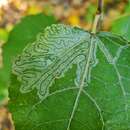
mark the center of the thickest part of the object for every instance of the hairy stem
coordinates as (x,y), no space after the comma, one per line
(98,17)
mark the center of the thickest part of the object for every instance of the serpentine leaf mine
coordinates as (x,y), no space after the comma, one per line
(81,81)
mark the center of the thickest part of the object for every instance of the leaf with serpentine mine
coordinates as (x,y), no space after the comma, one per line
(70,79)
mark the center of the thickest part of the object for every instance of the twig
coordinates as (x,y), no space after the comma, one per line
(100,6)
(98,17)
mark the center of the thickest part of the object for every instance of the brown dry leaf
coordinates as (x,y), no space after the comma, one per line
(5,120)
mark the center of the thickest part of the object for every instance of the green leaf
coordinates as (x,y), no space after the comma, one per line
(89,13)
(70,79)
(122,26)
(3,35)
(127,8)
(24,32)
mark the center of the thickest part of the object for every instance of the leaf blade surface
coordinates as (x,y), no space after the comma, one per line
(85,88)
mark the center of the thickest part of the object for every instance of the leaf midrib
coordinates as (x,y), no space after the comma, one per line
(81,85)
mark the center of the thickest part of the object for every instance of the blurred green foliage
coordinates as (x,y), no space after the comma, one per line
(23,33)
(90,12)
(127,9)
(3,34)
(122,26)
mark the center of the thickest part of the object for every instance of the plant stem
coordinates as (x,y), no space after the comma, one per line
(98,17)
(100,6)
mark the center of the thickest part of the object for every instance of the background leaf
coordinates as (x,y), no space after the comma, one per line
(122,26)
(127,9)
(3,34)
(100,100)
(24,32)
